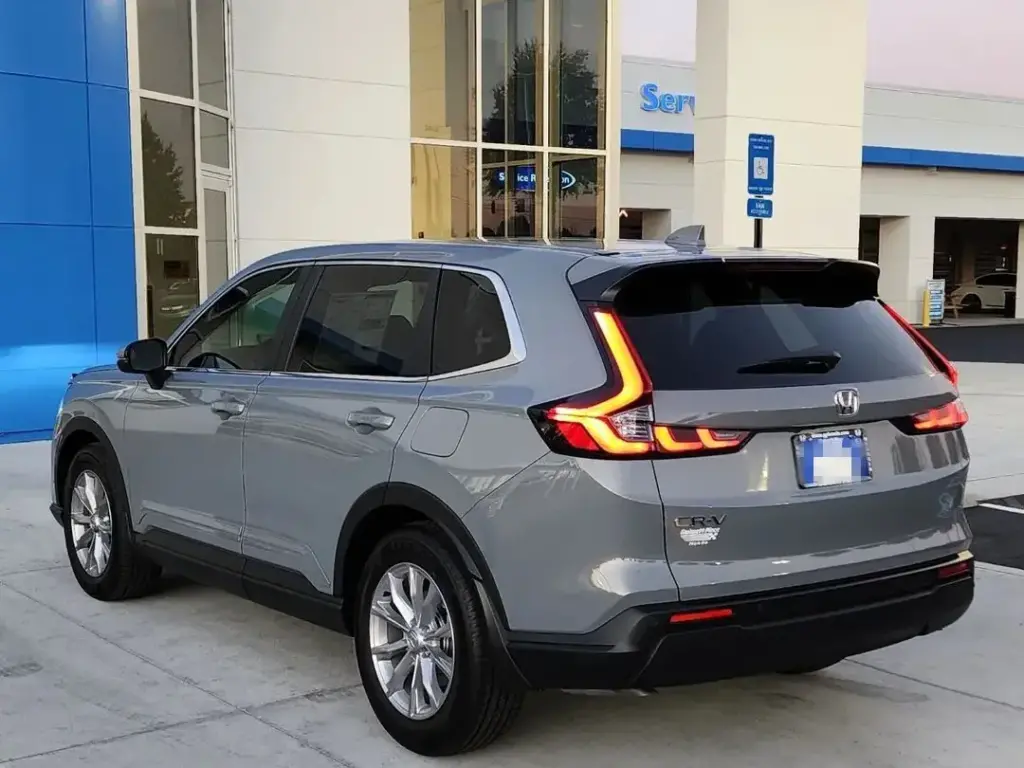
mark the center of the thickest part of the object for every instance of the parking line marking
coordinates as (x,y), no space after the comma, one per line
(1002,507)
(1006,569)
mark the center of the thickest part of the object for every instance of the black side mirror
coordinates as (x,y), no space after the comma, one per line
(145,356)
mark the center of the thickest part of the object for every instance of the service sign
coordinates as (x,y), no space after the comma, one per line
(936,290)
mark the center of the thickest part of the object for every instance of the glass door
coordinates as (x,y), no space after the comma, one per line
(218,254)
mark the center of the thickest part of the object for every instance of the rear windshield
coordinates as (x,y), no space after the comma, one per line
(726,326)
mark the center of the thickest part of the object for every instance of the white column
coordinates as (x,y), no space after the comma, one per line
(906,255)
(321,109)
(613,122)
(1019,311)
(793,69)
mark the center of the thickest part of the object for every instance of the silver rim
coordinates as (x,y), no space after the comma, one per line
(91,528)
(411,641)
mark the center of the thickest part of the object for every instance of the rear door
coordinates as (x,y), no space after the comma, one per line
(804,385)
(323,430)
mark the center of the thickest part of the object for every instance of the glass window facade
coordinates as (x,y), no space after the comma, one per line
(168,164)
(182,90)
(444,196)
(508,118)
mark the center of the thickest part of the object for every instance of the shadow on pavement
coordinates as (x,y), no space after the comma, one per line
(979,343)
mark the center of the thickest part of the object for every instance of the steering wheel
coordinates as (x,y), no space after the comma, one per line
(204,360)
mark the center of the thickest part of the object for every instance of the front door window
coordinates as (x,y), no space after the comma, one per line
(240,331)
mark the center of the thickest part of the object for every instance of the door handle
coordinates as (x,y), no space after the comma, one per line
(227,408)
(369,420)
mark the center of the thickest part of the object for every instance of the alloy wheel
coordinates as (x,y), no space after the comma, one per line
(91,523)
(411,641)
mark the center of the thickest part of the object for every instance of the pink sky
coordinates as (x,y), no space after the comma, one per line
(950,45)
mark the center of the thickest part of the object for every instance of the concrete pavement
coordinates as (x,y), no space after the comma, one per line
(196,677)
(994,396)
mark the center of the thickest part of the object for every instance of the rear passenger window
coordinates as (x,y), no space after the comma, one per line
(469,330)
(1002,280)
(367,320)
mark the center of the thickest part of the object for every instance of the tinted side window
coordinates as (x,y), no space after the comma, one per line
(1003,280)
(242,329)
(469,329)
(367,320)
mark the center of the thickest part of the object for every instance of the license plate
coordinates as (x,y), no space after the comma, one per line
(831,458)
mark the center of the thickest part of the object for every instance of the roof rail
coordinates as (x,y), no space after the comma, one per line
(688,239)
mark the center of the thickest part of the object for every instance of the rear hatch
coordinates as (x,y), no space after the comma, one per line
(814,436)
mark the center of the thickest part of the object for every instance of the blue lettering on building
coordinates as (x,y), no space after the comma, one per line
(669,103)
(526,179)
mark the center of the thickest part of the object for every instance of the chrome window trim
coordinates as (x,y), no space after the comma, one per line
(349,377)
(217,371)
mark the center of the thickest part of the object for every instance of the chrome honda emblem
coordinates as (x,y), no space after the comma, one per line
(847,402)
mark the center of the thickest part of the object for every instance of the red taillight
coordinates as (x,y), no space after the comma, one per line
(952,571)
(676,440)
(963,566)
(950,416)
(619,423)
(939,360)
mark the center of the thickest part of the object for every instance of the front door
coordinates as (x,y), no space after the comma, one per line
(184,440)
(185,449)
(323,432)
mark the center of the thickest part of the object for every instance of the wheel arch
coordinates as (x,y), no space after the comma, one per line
(966,297)
(79,432)
(389,506)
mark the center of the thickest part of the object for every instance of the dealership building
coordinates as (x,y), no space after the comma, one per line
(152,148)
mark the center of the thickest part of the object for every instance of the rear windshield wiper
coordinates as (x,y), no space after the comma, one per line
(795,364)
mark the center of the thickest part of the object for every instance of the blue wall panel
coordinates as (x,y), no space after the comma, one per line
(657,141)
(49,328)
(44,152)
(105,47)
(114,271)
(66,237)
(43,38)
(110,157)
(55,267)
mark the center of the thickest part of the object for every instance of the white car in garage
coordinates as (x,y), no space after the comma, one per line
(984,292)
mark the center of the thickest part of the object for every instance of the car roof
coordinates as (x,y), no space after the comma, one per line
(482,255)
(492,253)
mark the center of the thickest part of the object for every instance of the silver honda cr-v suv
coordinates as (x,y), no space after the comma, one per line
(509,467)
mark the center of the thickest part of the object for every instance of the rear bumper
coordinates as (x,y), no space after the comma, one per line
(642,648)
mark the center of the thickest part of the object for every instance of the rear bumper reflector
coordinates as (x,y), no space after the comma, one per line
(709,615)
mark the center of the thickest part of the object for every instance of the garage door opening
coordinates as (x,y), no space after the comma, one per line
(978,260)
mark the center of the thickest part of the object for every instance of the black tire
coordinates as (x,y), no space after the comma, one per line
(128,573)
(970,304)
(484,699)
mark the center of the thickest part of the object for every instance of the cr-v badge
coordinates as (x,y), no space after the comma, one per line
(699,529)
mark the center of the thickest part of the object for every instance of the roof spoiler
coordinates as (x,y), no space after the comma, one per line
(689,239)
